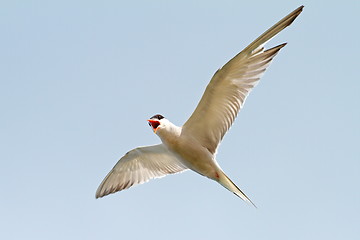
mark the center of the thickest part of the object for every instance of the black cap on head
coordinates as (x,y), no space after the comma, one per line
(157,116)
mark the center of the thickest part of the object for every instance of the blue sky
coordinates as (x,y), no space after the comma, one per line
(79,79)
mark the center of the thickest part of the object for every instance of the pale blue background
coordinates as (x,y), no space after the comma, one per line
(80,78)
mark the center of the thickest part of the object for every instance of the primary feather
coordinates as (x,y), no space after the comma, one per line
(226,93)
(138,166)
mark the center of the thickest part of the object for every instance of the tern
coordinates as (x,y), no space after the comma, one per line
(194,145)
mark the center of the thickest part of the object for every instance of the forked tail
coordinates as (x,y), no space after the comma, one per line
(228,184)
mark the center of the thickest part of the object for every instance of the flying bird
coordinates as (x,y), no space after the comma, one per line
(194,145)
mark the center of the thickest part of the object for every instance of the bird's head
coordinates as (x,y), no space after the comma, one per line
(157,122)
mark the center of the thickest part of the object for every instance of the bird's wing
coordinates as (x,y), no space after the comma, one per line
(138,166)
(225,94)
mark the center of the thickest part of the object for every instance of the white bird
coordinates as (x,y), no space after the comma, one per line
(194,145)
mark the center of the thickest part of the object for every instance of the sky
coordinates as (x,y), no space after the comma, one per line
(79,79)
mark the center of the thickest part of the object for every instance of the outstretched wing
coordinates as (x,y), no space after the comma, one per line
(138,166)
(226,93)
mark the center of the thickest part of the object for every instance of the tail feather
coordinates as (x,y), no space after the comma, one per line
(226,182)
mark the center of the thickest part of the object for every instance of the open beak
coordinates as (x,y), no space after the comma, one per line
(154,124)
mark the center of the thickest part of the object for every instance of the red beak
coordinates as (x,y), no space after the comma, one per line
(154,124)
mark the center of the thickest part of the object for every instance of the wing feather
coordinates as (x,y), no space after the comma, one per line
(227,91)
(138,166)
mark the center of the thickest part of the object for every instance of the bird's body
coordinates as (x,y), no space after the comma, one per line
(194,145)
(194,155)
(186,148)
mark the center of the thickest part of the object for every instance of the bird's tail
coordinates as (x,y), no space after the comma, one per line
(226,182)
